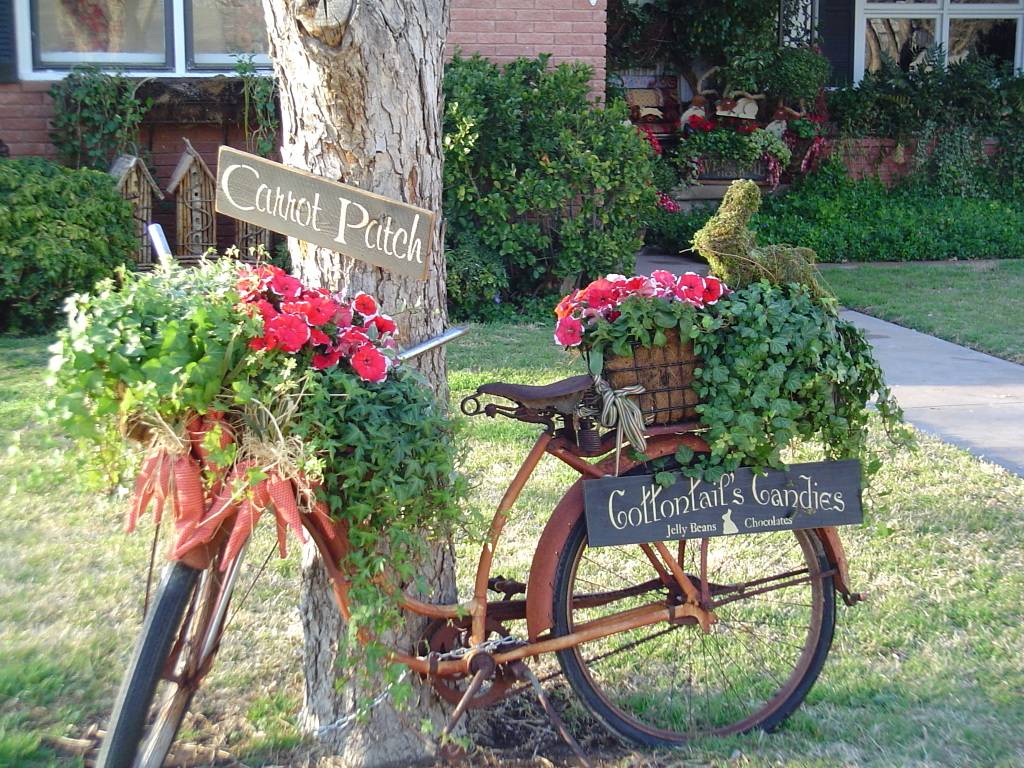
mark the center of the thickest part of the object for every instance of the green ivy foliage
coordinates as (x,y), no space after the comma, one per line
(96,117)
(780,365)
(541,187)
(61,230)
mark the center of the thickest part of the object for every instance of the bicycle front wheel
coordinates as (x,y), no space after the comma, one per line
(174,652)
(665,684)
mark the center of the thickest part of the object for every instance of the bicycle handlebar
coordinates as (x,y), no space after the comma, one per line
(450,335)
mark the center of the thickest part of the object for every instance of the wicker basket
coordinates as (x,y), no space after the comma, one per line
(666,374)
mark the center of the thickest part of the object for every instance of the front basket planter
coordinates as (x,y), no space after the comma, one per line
(665,373)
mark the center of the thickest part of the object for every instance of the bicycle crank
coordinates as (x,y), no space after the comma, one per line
(450,640)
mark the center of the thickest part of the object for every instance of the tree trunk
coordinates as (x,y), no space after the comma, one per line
(360,88)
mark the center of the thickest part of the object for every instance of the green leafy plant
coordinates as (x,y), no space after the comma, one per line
(539,177)
(220,345)
(742,146)
(796,75)
(779,365)
(61,230)
(260,123)
(96,117)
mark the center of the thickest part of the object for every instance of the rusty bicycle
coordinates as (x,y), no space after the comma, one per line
(661,641)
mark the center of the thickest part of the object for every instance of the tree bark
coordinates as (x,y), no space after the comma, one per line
(360,86)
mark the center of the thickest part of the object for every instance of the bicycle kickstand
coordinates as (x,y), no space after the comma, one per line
(522,672)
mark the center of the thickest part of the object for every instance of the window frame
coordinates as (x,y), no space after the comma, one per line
(942,11)
(178,61)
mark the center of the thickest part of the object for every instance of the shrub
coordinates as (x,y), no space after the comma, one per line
(797,74)
(674,231)
(61,230)
(541,187)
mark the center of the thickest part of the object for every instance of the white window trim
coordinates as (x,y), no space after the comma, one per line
(940,10)
(26,71)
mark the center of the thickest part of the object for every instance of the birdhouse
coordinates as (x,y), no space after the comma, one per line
(194,187)
(136,185)
(251,236)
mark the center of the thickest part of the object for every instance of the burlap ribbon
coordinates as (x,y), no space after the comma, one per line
(619,412)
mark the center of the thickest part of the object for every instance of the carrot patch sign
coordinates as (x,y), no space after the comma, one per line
(389,234)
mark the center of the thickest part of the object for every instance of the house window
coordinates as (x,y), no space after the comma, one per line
(140,37)
(902,31)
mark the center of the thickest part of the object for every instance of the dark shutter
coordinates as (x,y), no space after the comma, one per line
(8,56)
(835,34)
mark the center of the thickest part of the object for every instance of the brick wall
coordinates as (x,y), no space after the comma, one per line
(885,159)
(25,110)
(502,30)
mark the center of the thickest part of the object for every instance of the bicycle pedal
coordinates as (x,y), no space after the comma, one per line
(507,588)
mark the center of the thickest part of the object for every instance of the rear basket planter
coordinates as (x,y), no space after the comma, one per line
(665,373)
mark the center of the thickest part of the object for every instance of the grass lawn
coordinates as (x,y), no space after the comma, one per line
(928,672)
(977,304)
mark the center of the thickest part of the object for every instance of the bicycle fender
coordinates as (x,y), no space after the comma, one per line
(540,587)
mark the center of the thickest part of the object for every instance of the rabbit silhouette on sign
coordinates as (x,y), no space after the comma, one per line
(728,526)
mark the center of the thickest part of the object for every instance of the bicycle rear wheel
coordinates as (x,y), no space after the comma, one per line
(174,652)
(666,684)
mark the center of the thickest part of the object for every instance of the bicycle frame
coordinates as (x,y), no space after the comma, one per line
(536,609)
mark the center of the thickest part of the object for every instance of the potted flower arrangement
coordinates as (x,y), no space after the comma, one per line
(251,393)
(713,149)
(758,365)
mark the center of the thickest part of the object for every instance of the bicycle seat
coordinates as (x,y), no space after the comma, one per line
(561,396)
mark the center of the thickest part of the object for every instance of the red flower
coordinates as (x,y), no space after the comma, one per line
(690,287)
(328,359)
(648,134)
(343,315)
(369,363)
(746,127)
(285,286)
(318,337)
(600,293)
(569,332)
(365,304)
(713,289)
(384,325)
(313,308)
(290,332)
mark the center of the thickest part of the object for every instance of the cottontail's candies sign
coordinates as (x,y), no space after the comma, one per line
(390,234)
(634,510)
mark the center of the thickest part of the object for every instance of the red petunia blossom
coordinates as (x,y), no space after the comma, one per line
(600,293)
(569,332)
(384,325)
(314,309)
(318,337)
(365,304)
(289,331)
(328,359)
(285,286)
(664,278)
(369,364)
(690,287)
(713,289)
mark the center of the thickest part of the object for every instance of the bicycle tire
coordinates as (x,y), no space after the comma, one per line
(631,705)
(141,730)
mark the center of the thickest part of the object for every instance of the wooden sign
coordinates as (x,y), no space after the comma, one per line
(392,235)
(634,510)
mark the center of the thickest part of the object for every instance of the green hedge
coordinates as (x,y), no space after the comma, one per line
(846,220)
(61,230)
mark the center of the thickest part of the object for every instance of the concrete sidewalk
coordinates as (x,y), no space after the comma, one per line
(964,397)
